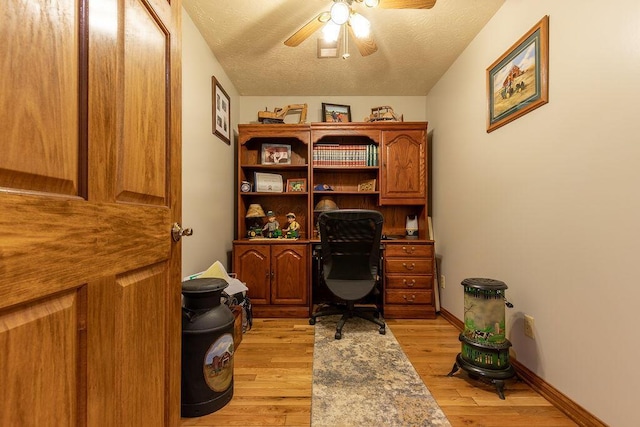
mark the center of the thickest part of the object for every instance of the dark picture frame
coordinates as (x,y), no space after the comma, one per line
(336,113)
(221,112)
(275,154)
(518,81)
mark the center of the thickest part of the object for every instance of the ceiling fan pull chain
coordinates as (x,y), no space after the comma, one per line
(345,38)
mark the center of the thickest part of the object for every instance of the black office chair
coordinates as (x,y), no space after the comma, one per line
(350,263)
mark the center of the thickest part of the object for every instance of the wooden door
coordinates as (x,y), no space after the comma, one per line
(252,265)
(404,167)
(289,274)
(89,188)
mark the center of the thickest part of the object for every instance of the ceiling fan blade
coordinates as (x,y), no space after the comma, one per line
(365,46)
(309,28)
(406,4)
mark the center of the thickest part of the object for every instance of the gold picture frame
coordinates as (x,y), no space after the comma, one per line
(518,81)
(368,185)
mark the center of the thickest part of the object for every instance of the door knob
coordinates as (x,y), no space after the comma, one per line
(177,232)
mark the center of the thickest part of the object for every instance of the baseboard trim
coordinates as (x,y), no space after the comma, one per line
(452,319)
(574,411)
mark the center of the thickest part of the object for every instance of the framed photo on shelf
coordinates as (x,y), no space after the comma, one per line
(221,112)
(276,154)
(297,185)
(518,81)
(368,185)
(336,113)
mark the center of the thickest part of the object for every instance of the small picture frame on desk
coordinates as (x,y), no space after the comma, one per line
(298,185)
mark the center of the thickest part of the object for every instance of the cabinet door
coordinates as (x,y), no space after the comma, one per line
(404,167)
(251,264)
(289,274)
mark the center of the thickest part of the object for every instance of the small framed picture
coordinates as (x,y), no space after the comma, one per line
(221,112)
(297,185)
(368,185)
(336,113)
(276,154)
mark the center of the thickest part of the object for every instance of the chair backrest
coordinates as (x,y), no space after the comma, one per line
(350,240)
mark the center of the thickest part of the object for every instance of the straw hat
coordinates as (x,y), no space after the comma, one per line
(255,211)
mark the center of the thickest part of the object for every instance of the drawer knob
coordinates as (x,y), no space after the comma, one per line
(409,267)
(412,299)
(409,284)
(410,250)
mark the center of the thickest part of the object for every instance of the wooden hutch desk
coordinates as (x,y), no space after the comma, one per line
(381,166)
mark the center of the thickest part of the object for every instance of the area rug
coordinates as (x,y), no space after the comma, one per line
(365,379)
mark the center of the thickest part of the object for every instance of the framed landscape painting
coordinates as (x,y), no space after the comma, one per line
(518,81)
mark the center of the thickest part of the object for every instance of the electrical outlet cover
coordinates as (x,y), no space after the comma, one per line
(528,326)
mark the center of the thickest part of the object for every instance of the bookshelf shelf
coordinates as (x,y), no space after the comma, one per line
(274,194)
(346,169)
(343,193)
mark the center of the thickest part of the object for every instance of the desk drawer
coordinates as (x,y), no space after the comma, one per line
(392,296)
(409,282)
(408,265)
(409,311)
(404,250)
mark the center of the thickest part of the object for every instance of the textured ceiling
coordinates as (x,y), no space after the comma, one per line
(415,46)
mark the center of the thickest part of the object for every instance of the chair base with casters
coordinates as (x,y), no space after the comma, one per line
(349,310)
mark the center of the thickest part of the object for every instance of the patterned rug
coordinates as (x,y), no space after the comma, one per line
(365,379)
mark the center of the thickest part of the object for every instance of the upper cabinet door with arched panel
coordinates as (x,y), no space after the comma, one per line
(404,165)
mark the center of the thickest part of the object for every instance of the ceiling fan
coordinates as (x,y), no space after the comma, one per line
(342,16)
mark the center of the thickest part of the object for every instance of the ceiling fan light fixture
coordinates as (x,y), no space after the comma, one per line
(371,3)
(331,32)
(340,12)
(360,25)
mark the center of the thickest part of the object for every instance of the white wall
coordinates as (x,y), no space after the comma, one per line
(550,202)
(207,162)
(411,107)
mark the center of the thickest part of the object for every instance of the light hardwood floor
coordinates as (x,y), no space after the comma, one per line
(273,373)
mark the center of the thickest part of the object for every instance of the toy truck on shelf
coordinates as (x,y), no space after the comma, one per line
(383,113)
(278,114)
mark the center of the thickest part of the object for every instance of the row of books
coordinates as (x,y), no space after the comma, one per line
(345,155)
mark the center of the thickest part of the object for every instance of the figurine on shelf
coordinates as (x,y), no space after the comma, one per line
(291,231)
(272,227)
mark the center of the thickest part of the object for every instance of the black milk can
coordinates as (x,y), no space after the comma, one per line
(207,347)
